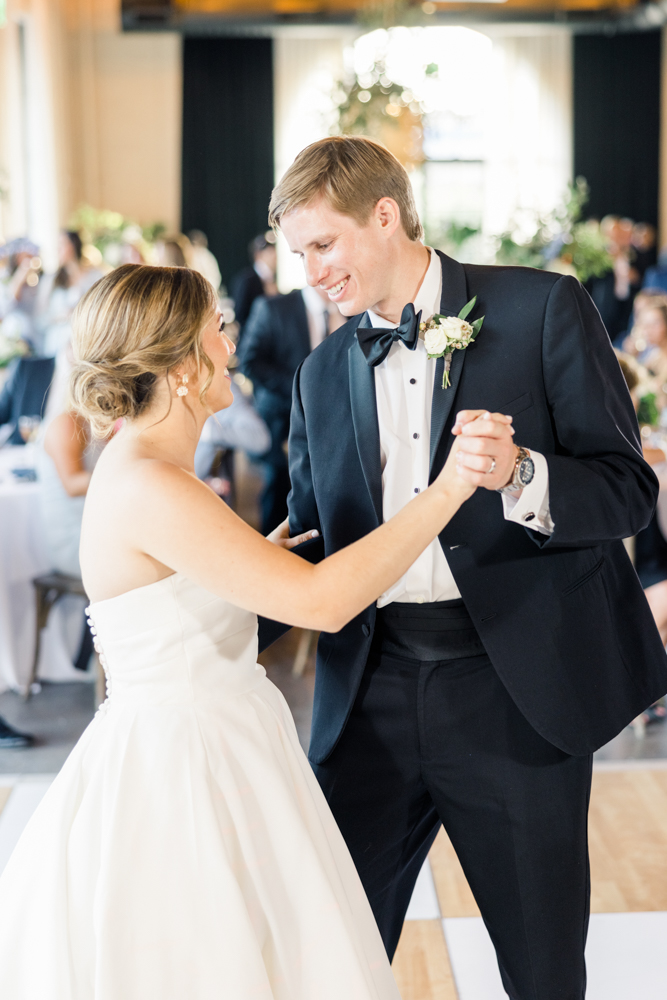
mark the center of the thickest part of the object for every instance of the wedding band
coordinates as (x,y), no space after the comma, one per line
(493,465)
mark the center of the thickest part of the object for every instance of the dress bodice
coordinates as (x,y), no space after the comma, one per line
(186,848)
(172,642)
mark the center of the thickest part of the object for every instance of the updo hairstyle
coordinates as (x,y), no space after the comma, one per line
(130,329)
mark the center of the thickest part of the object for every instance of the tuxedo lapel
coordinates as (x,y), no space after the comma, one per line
(365,420)
(454,297)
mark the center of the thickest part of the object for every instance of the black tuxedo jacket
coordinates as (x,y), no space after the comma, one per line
(245,288)
(25,391)
(563,618)
(275,342)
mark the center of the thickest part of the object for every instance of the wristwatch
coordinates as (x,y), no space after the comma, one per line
(524,472)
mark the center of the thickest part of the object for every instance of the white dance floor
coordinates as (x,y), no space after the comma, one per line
(626,952)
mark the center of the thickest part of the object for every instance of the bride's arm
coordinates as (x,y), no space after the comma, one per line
(183,525)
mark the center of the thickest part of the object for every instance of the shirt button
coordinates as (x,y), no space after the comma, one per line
(415,436)
(413,381)
(419,600)
(417,491)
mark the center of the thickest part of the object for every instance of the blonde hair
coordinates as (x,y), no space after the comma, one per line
(131,328)
(352,173)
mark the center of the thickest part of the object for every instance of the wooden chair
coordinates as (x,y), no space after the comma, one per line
(49,588)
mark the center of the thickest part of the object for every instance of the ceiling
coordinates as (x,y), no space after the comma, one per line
(221,16)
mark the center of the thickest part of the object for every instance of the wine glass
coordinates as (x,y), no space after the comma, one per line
(29,428)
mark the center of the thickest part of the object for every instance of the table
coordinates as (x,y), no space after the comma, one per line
(22,557)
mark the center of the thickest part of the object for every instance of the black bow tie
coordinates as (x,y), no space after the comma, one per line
(376,341)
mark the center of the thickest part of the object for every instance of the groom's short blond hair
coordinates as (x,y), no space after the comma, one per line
(352,173)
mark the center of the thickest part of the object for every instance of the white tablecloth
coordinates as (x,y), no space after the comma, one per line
(22,557)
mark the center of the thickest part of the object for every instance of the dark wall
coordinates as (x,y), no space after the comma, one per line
(227,173)
(617,122)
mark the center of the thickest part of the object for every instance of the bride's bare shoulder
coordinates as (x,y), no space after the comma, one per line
(133,478)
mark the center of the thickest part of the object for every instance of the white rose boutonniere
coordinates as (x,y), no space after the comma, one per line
(445,334)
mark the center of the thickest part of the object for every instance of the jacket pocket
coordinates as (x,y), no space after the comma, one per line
(586,577)
(516,405)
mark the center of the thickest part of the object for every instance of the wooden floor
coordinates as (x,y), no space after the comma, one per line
(628,846)
(421,966)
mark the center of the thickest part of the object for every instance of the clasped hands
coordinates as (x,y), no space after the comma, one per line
(486,457)
(486,453)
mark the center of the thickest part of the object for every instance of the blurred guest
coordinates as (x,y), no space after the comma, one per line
(633,343)
(614,292)
(25,392)
(65,464)
(237,427)
(15,399)
(643,244)
(656,277)
(19,283)
(59,293)
(201,258)
(650,545)
(20,395)
(255,281)
(280,333)
(173,251)
(130,253)
(650,339)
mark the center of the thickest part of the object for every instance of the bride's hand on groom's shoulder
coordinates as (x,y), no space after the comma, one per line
(486,452)
(280,536)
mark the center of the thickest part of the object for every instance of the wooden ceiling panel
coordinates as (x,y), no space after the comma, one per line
(175,12)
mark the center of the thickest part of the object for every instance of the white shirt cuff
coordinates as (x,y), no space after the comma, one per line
(531,507)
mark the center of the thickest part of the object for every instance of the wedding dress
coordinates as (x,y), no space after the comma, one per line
(185,851)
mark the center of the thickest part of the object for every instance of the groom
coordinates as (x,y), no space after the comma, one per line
(474,693)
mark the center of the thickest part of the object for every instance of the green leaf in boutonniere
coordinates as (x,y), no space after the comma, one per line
(445,334)
(468,308)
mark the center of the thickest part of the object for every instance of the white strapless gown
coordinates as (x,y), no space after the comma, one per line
(185,851)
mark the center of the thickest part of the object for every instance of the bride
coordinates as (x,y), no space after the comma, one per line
(185,850)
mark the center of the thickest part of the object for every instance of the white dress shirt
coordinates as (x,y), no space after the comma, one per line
(318,312)
(404,391)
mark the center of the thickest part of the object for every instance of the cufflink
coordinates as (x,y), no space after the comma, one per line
(529,517)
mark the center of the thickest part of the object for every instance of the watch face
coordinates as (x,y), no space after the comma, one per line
(526,471)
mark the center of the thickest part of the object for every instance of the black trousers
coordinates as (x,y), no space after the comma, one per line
(439,740)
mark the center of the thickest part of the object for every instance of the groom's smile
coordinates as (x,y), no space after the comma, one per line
(333,249)
(340,255)
(360,264)
(334,291)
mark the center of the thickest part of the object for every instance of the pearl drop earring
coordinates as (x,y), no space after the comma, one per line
(183,388)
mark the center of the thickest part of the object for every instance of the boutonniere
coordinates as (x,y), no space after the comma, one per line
(445,334)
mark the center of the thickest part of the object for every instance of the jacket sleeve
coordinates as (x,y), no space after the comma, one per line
(600,487)
(258,358)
